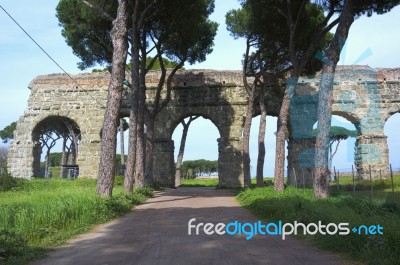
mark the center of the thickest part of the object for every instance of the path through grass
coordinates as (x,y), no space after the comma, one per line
(43,213)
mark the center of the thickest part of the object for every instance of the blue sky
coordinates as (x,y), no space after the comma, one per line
(21,61)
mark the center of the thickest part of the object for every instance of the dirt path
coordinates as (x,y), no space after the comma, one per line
(157,233)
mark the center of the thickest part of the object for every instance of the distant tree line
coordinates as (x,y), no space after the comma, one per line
(195,168)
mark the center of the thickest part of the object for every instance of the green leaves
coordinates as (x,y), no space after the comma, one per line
(195,168)
(180,27)
(87,31)
(8,132)
(338,133)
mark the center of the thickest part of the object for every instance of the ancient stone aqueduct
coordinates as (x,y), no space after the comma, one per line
(366,97)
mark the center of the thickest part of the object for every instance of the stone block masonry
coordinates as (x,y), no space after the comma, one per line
(366,97)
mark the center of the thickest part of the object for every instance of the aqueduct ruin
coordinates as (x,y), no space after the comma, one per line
(366,97)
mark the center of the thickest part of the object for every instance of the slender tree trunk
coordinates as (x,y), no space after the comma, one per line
(73,154)
(132,141)
(140,145)
(109,137)
(321,179)
(134,96)
(63,157)
(279,183)
(46,165)
(322,172)
(149,181)
(261,141)
(141,137)
(179,159)
(246,140)
(122,141)
(330,161)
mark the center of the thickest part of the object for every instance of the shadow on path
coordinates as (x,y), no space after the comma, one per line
(156,233)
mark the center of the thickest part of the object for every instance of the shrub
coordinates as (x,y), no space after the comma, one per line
(7,182)
(11,244)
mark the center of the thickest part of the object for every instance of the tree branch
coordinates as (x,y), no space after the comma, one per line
(98,9)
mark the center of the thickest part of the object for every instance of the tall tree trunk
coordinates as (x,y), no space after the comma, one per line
(148,179)
(330,160)
(73,154)
(141,139)
(46,164)
(134,97)
(140,144)
(63,157)
(322,173)
(132,141)
(279,183)
(321,179)
(105,181)
(122,141)
(246,140)
(179,159)
(261,141)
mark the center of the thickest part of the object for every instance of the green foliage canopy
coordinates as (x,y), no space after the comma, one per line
(264,23)
(338,133)
(180,28)
(195,168)
(7,133)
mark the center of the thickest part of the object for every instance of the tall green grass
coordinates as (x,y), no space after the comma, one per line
(300,205)
(46,212)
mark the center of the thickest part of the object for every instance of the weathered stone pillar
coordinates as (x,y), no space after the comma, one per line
(20,159)
(301,153)
(89,158)
(371,150)
(163,162)
(230,162)
(24,153)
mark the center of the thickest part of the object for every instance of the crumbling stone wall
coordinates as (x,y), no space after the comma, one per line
(365,96)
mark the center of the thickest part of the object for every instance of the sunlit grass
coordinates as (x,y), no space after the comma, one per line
(199,182)
(301,206)
(46,212)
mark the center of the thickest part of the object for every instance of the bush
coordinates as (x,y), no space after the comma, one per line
(11,244)
(7,182)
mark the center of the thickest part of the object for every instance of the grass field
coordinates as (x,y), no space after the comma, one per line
(343,206)
(379,191)
(199,182)
(42,213)
(301,206)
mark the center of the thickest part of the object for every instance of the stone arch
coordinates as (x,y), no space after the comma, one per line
(176,122)
(351,117)
(354,122)
(65,128)
(212,136)
(229,123)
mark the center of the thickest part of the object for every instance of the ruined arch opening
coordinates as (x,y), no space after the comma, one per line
(343,141)
(122,146)
(270,145)
(391,130)
(196,156)
(49,135)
